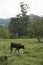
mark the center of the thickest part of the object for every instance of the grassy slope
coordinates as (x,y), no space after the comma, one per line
(31,55)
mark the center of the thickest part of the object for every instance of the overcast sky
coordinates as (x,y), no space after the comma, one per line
(10,8)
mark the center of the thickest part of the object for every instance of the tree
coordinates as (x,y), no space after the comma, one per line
(24,18)
(15,27)
(19,24)
(24,8)
(36,28)
(4,32)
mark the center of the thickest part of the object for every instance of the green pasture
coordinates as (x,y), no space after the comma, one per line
(31,55)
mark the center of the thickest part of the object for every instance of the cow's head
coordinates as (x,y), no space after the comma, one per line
(23,46)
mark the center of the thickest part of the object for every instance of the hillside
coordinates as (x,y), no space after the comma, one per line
(4,21)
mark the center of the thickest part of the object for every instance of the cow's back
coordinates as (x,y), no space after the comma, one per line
(16,45)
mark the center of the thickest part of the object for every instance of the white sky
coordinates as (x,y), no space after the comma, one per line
(10,8)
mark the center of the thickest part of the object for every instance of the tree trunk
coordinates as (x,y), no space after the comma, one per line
(19,35)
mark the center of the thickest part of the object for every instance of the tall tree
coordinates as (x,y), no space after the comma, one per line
(24,7)
(19,24)
(24,18)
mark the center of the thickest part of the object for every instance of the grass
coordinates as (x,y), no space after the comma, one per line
(31,55)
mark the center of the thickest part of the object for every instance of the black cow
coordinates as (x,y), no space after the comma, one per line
(17,46)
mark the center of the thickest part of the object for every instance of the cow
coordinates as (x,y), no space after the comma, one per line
(17,46)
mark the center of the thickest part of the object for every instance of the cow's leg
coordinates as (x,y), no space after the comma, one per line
(18,50)
(15,50)
(11,48)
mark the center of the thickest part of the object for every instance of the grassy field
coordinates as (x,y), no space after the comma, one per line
(31,55)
